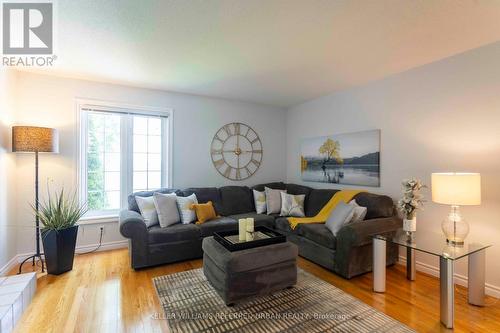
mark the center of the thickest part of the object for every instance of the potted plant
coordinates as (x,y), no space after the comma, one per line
(411,201)
(59,216)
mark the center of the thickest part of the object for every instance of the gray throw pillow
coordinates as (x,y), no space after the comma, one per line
(273,200)
(148,211)
(166,207)
(292,205)
(341,215)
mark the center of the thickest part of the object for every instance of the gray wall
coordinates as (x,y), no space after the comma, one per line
(7,169)
(50,101)
(444,116)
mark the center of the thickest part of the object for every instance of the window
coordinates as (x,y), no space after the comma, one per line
(122,150)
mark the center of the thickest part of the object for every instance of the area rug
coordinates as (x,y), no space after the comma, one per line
(190,304)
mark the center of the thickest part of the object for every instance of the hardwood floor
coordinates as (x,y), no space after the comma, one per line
(103,294)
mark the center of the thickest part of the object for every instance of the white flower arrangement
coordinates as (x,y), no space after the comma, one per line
(412,200)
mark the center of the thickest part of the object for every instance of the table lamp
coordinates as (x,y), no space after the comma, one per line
(35,140)
(456,189)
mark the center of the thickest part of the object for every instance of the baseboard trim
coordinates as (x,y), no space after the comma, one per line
(8,266)
(460,279)
(82,248)
(104,246)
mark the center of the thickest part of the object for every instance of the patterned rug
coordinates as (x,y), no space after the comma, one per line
(190,304)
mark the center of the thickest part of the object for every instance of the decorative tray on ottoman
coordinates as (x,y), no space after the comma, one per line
(262,236)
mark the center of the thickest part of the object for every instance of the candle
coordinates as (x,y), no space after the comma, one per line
(250,229)
(250,224)
(242,224)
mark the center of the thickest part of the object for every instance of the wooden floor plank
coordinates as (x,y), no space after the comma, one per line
(103,294)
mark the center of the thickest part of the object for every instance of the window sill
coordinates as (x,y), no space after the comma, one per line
(98,219)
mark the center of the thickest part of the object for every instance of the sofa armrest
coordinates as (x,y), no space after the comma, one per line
(132,224)
(354,253)
(362,232)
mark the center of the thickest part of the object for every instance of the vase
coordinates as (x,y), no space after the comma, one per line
(410,224)
(59,249)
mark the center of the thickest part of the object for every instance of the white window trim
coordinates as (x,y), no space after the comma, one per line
(80,157)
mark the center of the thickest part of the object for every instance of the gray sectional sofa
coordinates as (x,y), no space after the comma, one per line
(348,254)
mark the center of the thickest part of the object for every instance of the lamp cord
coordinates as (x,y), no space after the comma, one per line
(98,246)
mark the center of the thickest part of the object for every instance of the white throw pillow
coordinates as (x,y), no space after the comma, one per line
(273,200)
(292,205)
(166,207)
(359,212)
(340,216)
(188,215)
(260,201)
(148,210)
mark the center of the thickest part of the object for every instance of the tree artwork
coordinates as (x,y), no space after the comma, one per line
(331,149)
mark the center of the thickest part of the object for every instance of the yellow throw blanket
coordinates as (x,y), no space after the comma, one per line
(324,213)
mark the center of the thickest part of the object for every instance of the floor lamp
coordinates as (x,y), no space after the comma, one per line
(35,140)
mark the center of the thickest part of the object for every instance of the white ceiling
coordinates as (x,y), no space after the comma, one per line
(267,51)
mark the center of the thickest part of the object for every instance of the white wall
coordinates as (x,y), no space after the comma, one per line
(444,116)
(7,169)
(50,101)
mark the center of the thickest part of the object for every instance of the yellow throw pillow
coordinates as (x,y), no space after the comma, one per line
(204,212)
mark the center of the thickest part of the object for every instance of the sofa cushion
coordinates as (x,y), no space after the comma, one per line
(316,199)
(206,194)
(315,232)
(282,225)
(259,219)
(274,186)
(378,205)
(298,189)
(318,233)
(174,233)
(219,224)
(132,203)
(236,200)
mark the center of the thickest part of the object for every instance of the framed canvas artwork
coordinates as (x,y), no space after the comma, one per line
(349,158)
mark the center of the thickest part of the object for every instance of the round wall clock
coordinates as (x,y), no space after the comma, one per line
(236,151)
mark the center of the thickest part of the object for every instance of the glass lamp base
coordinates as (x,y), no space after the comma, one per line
(455,227)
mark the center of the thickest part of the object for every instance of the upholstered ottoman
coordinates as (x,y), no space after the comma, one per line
(242,274)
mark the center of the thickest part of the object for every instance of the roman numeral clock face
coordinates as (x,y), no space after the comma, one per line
(236,151)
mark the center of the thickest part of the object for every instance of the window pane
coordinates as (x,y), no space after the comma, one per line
(95,181)
(95,137)
(112,161)
(140,144)
(95,162)
(140,162)
(140,125)
(154,162)
(113,199)
(154,144)
(112,181)
(95,200)
(154,180)
(103,161)
(105,158)
(113,140)
(154,126)
(147,156)
(140,180)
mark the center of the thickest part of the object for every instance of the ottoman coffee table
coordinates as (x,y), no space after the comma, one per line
(242,274)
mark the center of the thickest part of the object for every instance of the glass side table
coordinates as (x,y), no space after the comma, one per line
(447,253)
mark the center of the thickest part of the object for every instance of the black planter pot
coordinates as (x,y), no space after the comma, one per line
(59,249)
